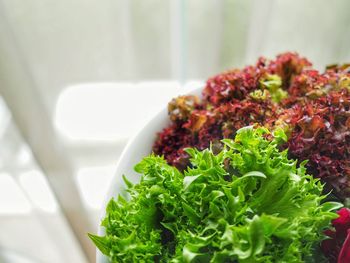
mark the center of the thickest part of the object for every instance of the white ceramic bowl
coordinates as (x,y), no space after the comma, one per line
(137,148)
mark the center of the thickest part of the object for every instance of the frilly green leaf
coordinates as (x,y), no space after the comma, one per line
(248,203)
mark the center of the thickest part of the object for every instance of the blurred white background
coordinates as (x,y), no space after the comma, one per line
(79,77)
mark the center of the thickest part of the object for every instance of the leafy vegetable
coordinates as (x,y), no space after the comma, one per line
(312,107)
(232,100)
(322,135)
(274,85)
(248,203)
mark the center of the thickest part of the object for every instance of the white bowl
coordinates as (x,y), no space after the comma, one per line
(137,148)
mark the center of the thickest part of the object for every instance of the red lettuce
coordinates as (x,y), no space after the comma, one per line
(313,108)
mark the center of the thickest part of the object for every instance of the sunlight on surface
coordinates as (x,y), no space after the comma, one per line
(110,111)
(24,155)
(38,190)
(12,199)
(93,183)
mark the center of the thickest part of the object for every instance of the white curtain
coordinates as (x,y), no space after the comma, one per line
(66,42)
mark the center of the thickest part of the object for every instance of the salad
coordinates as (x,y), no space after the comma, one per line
(257,170)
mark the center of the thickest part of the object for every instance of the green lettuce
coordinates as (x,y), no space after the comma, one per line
(248,203)
(273,83)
